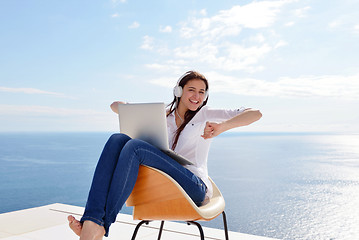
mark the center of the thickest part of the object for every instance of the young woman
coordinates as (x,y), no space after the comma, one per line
(191,126)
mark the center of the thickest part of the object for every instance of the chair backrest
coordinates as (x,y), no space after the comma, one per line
(156,196)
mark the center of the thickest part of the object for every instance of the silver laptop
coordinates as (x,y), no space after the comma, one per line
(147,121)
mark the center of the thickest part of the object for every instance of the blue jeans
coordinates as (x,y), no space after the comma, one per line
(116,174)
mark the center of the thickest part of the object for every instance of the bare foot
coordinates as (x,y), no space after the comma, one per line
(75,225)
(92,231)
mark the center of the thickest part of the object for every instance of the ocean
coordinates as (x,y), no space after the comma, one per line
(280,185)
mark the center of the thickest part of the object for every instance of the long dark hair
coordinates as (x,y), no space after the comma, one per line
(174,104)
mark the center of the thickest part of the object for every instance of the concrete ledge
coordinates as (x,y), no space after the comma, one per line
(50,222)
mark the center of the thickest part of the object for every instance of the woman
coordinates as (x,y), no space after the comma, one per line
(191,126)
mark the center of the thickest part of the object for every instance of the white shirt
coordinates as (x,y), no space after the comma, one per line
(190,143)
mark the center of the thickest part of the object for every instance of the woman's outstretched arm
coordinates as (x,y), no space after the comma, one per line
(245,118)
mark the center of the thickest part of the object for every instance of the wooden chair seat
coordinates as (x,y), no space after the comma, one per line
(157,196)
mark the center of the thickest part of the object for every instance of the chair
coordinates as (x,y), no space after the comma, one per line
(156,196)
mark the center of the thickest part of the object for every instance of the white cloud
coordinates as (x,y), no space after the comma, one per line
(335,23)
(115,15)
(134,25)
(155,45)
(289,24)
(164,81)
(173,67)
(343,87)
(46,118)
(118,1)
(31,110)
(240,57)
(156,66)
(226,56)
(281,43)
(345,23)
(147,43)
(257,38)
(216,41)
(203,12)
(30,91)
(230,22)
(115,3)
(302,12)
(198,50)
(166,29)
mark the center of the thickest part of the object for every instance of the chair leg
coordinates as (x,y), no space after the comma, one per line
(199,228)
(189,222)
(138,227)
(160,232)
(225,225)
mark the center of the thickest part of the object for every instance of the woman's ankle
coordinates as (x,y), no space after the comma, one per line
(92,231)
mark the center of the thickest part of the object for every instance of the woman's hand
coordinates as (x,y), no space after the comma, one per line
(211,130)
(114,106)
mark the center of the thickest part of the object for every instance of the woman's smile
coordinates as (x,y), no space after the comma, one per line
(193,101)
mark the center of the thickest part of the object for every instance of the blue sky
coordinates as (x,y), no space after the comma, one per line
(62,63)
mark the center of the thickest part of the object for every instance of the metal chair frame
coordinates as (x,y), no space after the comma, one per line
(188,222)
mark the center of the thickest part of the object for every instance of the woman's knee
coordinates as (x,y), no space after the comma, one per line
(118,137)
(133,144)
(135,147)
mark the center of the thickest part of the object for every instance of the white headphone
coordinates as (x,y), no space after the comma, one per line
(177,90)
